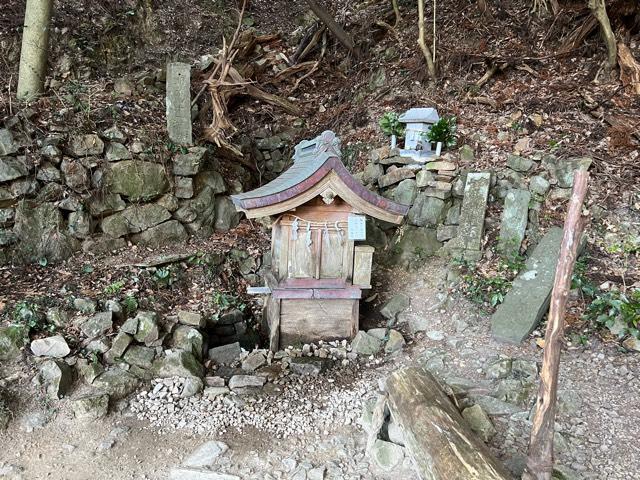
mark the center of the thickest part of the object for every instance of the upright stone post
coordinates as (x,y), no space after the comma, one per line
(179,103)
(33,54)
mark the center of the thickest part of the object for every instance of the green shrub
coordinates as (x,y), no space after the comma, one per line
(390,125)
(608,307)
(28,314)
(444,130)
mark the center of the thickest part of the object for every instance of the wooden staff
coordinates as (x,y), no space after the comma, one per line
(540,458)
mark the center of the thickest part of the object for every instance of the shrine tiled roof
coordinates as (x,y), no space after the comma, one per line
(317,168)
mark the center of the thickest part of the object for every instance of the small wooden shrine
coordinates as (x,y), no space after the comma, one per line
(320,264)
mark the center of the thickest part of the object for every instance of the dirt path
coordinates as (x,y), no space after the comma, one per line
(597,426)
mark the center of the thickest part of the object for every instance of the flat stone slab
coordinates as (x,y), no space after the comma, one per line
(514,221)
(206,454)
(474,205)
(529,297)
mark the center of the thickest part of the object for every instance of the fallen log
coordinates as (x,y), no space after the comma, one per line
(325,17)
(437,437)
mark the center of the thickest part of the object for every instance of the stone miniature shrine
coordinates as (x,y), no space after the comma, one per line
(319,264)
(419,122)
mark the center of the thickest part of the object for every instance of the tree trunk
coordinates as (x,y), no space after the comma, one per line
(438,438)
(428,56)
(35,43)
(540,459)
(599,10)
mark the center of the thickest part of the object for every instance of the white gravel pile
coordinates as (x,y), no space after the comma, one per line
(303,405)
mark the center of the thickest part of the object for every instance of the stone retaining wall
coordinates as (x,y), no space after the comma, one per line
(60,193)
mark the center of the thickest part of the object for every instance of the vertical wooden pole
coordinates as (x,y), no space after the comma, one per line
(540,458)
(35,44)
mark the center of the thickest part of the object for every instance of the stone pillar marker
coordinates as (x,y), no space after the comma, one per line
(514,221)
(179,103)
(468,242)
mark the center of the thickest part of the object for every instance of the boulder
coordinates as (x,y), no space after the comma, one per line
(119,346)
(177,364)
(519,164)
(191,318)
(116,152)
(165,233)
(395,176)
(140,356)
(40,231)
(7,145)
(137,180)
(414,246)
(12,168)
(105,204)
(188,339)
(55,346)
(12,339)
(225,354)
(246,381)
(46,173)
(406,191)
(632,344)
(84,305)
(365,344)
(142,217)
(395,305)
(114,134)
(91,406)
(388,456)
(226,215)
(97,325)
(79,224)
(117,383)
(466,154)
(539,185)
(147,331)
(211,179)
(563,169)
(206,454)
(395,342)
(426,210)
(479,422)
(85,145)
(371,173)
(57,378)
(114,226)
(89,371)
(308,366)
(424,177)
(76,176)
(254,361)
(183,187)
(190,163)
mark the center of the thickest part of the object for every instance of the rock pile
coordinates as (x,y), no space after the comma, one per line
(439,216)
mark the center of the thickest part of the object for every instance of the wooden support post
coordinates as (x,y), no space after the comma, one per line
(540,458)
(343,37)
(441,443)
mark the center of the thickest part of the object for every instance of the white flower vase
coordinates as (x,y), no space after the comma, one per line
(394,141)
